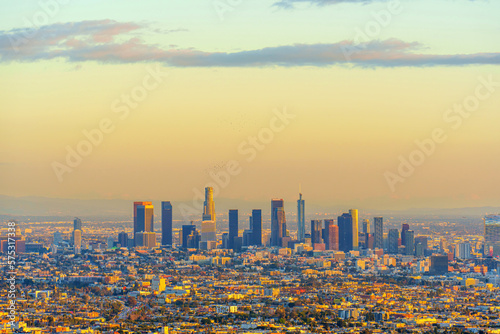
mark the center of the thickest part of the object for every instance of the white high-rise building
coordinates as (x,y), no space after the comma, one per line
(463,251)
(110,242)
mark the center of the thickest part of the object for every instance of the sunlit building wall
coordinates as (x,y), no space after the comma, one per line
(355,228)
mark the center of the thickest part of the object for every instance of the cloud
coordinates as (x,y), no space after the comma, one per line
(288,4)
(67,40)
(111,42)
(46,41)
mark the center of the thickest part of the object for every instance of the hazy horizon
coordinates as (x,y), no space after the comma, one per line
(186,211)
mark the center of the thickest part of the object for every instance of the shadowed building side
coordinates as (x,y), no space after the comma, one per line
(166,223)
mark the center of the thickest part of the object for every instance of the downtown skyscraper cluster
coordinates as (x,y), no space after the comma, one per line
(343,236)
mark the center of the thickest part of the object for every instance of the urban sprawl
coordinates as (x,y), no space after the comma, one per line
(342,275)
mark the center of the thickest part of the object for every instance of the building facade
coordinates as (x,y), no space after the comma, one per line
(233,228)
(166,223)
(278,222)
(301,221)
(378,233)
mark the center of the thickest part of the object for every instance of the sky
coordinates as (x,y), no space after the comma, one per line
(375,104)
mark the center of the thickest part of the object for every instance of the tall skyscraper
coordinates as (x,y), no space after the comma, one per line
(344,223)
(404,228)
(225,240)
(247,238)
(257,227)
(355,228)
(443,246)
(57,238)
(145,239)
(369,241)
(379,232)
(77,224)
(187,230)
(316,229)
(136,204)
(366,226)
(284,231)
(143,223)
(423,241)
(166,223)
(238,242)
(233,228)
(277,222)
(110,242)
(419,249)
(123,239)
(393,241)
(193,240)
(492,235)
(409,242)
(145,218)
(209,205)
(301,220)
(331,237)
(77,237)
(463,251)
(208,234)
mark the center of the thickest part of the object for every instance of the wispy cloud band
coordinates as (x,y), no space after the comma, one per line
(288,4)
(109,41)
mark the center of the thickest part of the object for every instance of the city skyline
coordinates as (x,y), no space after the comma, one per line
(324,235)
(342,236)
(272,166)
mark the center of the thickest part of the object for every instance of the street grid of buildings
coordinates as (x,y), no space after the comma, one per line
(344,276)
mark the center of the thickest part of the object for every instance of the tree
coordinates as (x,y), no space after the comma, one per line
(131,301)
